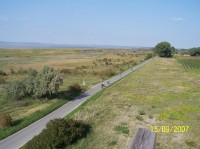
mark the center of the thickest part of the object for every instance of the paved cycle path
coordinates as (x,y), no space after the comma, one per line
(19,138)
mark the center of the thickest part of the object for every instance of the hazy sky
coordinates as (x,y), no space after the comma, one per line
(101,22)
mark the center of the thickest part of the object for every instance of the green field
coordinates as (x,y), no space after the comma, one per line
(90,65)
(189,63)
(162,93)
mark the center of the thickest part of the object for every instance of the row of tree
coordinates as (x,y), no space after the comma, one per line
(194,51)
(164,49)
(36,84)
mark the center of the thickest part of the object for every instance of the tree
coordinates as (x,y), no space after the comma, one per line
(164,49)
(15,90)
(36,84)
(194,51)
(47,82)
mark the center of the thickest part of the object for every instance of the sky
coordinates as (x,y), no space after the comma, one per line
(101,22)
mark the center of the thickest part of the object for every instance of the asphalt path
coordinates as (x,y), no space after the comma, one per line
(19,138)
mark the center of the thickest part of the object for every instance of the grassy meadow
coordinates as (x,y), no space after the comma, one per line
(77,65)
(161,93)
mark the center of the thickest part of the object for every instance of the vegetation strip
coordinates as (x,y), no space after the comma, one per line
(29,120)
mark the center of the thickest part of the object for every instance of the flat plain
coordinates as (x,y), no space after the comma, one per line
(90,66)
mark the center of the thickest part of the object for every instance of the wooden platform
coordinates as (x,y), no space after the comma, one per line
(143,139)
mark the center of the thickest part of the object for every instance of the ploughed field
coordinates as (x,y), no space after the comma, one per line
(86,67)
(163,95)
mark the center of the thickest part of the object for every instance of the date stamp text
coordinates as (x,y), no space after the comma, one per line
(173,129)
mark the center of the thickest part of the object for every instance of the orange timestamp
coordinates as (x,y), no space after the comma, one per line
(167,128)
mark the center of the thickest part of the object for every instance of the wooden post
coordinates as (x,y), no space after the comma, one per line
(144,139)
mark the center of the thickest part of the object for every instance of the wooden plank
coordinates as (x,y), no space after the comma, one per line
(144,139)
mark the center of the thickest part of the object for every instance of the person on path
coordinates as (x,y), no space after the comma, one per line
(103,85)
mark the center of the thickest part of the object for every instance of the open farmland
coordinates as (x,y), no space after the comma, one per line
(162,93)
(192,63)
(77,65)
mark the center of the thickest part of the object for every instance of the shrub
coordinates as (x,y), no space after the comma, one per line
(12,71)
(47,82)
(43,84)
(149,55)
(110,72)
(84,67)
(15,90)
(190,143)
(5,121)
(66,71)
(75,89)
(21,71)
(141,112)
(32,72)
(95,72)
(138,117)
(111,143)
(123,128)
(59,133)
(194,51)
(2,73)
(2,80)
(150,116)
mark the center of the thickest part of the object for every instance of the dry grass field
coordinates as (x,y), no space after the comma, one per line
(77,65)
(162,93)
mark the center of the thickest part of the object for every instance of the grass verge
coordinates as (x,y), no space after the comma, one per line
(19,124)
(88,101)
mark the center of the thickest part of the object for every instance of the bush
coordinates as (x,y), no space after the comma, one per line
(110,72)
(141,112)
(149,55)
(194,51)
(2,73)
(12,71)
(2,80)
(75,89)
(150,116)
(138,117)
(32,72)
(47,82)
(123,128)
(59,133)
(190,143)
(15,90)
(43,84)
(5,121)
(21,71)
(66,71)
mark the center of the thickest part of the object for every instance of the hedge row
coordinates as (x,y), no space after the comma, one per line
(59,133)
